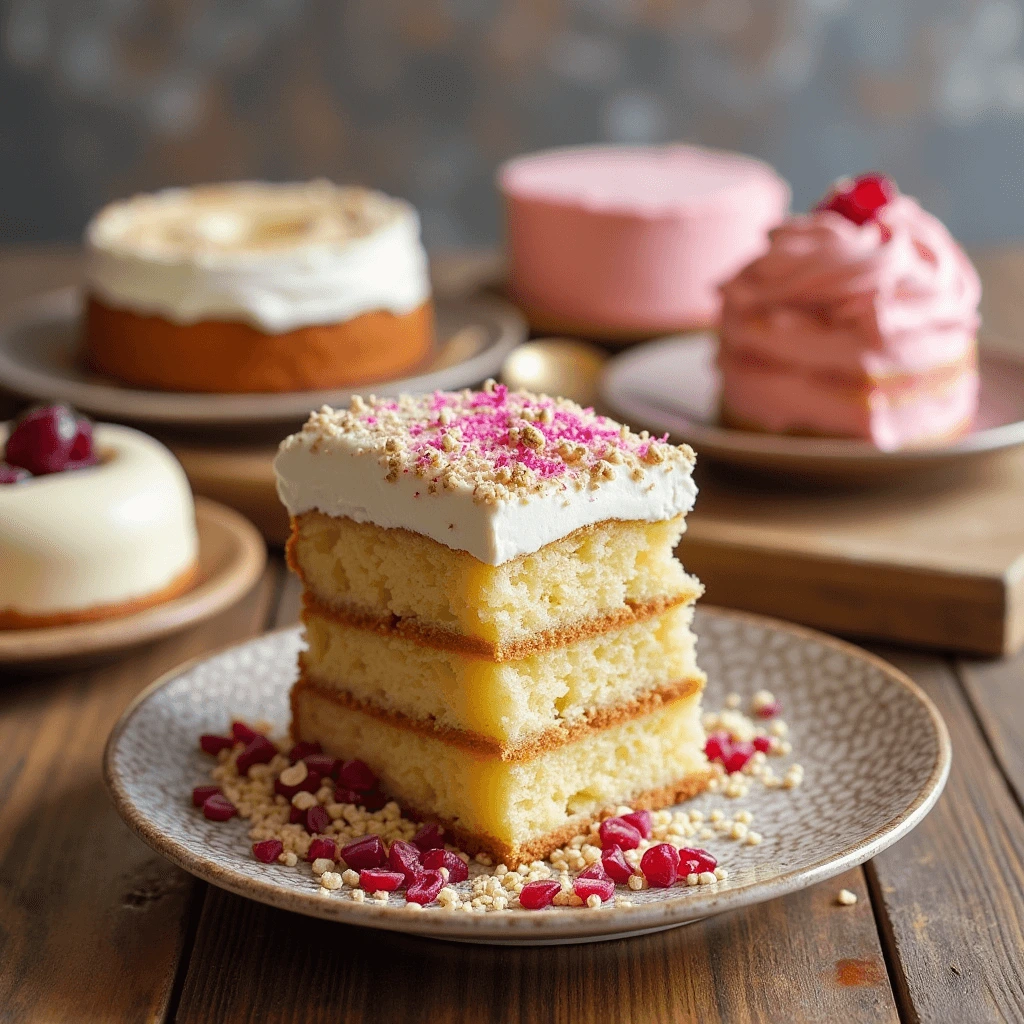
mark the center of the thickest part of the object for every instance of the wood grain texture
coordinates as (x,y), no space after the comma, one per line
(92,923)
(799,959)
(950,895)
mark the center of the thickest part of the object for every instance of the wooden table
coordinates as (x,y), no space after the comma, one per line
(95,927)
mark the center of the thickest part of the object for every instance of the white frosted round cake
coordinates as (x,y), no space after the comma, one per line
(95,536)
(250,287)
(627,242)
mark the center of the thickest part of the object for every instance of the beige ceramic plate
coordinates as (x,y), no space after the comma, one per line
(671,385)
(875,751)
(39,359)
(231,559)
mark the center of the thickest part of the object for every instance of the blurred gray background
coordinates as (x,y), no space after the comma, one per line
(99,98)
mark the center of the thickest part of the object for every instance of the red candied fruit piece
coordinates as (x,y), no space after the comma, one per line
(372,801)
(742,751)
(859,199)
(50,439)
(322,763)
(693,861)
(616,832)
(258,751)
(203,793)
(210,743)
(539,894)
(762,743)
(769,710)
(373,879)
(614,864)
(458,869)
(642,821)
(596,870)
(357,775)
(13,474)
(322,847)
(243,733)
(429,837)
(310,784)
(317,820)
(404,857)
(219,808)
(303,749)
(660,865)
(717,746)
(366,852)
(584,887)
(268,850)
(425,889)
(295,816)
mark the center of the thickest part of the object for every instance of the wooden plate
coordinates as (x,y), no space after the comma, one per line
(874,749)
(671,385)
(231,559)
(39,359)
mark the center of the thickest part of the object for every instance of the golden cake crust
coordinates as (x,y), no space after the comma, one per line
(234,357)
(594,720)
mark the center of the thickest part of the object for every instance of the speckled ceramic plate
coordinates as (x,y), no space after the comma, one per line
(671,385)
(39,358)
(874,749)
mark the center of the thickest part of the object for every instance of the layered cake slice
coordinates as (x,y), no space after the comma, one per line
(495,619)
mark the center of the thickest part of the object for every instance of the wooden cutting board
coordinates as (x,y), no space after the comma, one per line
(928,564)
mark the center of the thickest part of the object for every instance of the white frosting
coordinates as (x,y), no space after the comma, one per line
(276,257)
(115,532)
(369,464)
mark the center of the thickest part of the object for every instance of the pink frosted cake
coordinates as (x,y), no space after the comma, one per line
(860,321)
(618,242)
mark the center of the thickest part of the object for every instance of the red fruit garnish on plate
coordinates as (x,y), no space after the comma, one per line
(642,821)
(859,199)
(596,870)
(322,763)
(317,820)
(310,784)
(769,710)
(374,879)
(404,857)
(430,837)
(742,751)
(303,749)
(365,852)
(50,439)
(243,733)
(210,743)
(372,801)
(660,865)
(321,848)
(692,861)
(268,850)
(295,816)
(203,793)
(614,864)
(425,889)
(458,869)
(762,743)
(584,887)
(258,751)
(13,474)
(539,894)
(718,746)
(219,808)
(616,832)
(356,774)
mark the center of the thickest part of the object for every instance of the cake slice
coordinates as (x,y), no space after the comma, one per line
(495,619)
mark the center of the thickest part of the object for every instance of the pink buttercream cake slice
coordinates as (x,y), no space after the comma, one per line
(634,241)
(854,330)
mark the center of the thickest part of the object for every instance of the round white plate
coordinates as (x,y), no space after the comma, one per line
(874,749)
(672,385)
(39,358)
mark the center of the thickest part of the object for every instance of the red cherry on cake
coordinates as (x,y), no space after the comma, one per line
(13,474)
(859,199)
(49,440)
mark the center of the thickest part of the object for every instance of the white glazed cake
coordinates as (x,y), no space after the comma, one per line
(100,541)
(496,621)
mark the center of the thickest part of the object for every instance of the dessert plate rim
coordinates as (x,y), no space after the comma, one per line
(44,380)
(787,453)
(232,556)
(526,927)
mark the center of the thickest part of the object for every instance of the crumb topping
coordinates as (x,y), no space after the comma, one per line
(497,444)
